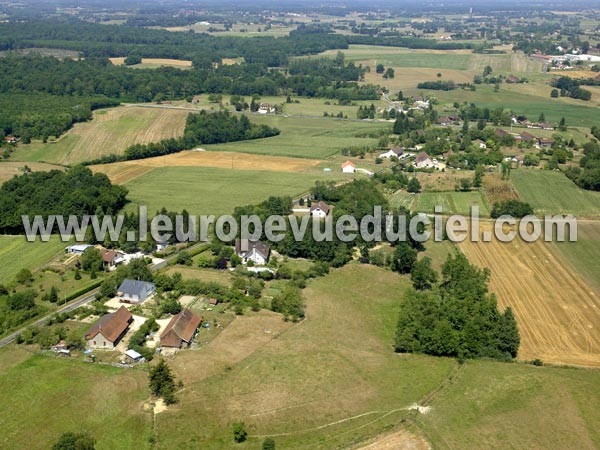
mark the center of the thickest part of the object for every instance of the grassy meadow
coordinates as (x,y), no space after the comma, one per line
(209,190)
(16,253)
(553,193)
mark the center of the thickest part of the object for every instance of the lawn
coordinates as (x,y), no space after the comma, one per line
(208,190)
(16,253)
(553,193)
(53,396)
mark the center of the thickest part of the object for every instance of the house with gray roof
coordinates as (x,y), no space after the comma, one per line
(135,291)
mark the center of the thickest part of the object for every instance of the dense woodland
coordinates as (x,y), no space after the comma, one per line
(76,191)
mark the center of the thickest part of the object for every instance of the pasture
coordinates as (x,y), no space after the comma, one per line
(556,309)
(16,253)
(210,190)
(54,396)
(451,202)
(110,131)
(305,137)
(553,193)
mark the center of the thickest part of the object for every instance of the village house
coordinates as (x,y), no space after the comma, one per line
(501,133)
(545,142)
(424,161)
(319,210)
(11,139)
(348,167)
(527,137)
(266,108)
(396,151)
(135,291)
(256,251)
(109,330)
(109,258)
(180,330)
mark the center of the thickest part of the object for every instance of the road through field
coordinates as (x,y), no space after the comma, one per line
(558,313)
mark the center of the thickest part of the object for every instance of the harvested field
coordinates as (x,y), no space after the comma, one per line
(498,190)
(158,62)
(128,170)
(9,169)
(110,131)
(401,440)
(557,311)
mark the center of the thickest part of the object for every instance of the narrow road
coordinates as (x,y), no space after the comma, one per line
(83,300)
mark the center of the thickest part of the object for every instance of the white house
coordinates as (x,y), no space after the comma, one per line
(266,108)
(319,210)
(396,151)
(348,167)
(256,251)
(424,161)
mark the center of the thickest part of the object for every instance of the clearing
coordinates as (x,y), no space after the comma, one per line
(152,63)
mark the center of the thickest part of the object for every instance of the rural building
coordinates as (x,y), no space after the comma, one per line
(256,251)
(78,249)
(11,139)
(266,108)
(60,346)
(527,137)
(135,291)
(109,258)
(181,330)
(133,355)
(396,151)
(319,210)
(108,331)
(424,161)
(501,133)
(545,142)
(348,167)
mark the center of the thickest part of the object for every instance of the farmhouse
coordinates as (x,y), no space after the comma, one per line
(180,330)
(266,108)
(396,151)
(256,251)
(135,291)
(424,161)
(545,142)
(78,249)
(320,210)
(108,331)
(348,167)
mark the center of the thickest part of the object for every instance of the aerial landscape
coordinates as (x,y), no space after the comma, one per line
(299,225)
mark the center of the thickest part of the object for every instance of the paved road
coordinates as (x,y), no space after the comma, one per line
(86,298)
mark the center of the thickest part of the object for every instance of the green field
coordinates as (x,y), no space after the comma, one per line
(53,396)
(451,202)
(583,254)
(576,113)
(305,137)
(16,253)
(208,190)
(553,193)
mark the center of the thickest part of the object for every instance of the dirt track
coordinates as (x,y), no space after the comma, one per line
(558,313)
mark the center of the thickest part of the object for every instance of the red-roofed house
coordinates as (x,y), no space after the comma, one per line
(181,330)
(109,330)
(348,167)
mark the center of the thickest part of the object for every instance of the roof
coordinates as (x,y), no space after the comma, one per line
(135,287)
(79,247)
(108,255)
(111,325)
(133,354)
(501,132)
(527,136)
(247,245)
(348,164)
(181,328)
(320,205)
(421,157)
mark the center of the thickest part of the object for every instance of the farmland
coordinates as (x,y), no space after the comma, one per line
(583,254)
(9,169)
(152,63)
(209,190)
(16,253)
(110,131)
(128,170)
(553,193)
(451,202)
(555,307)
